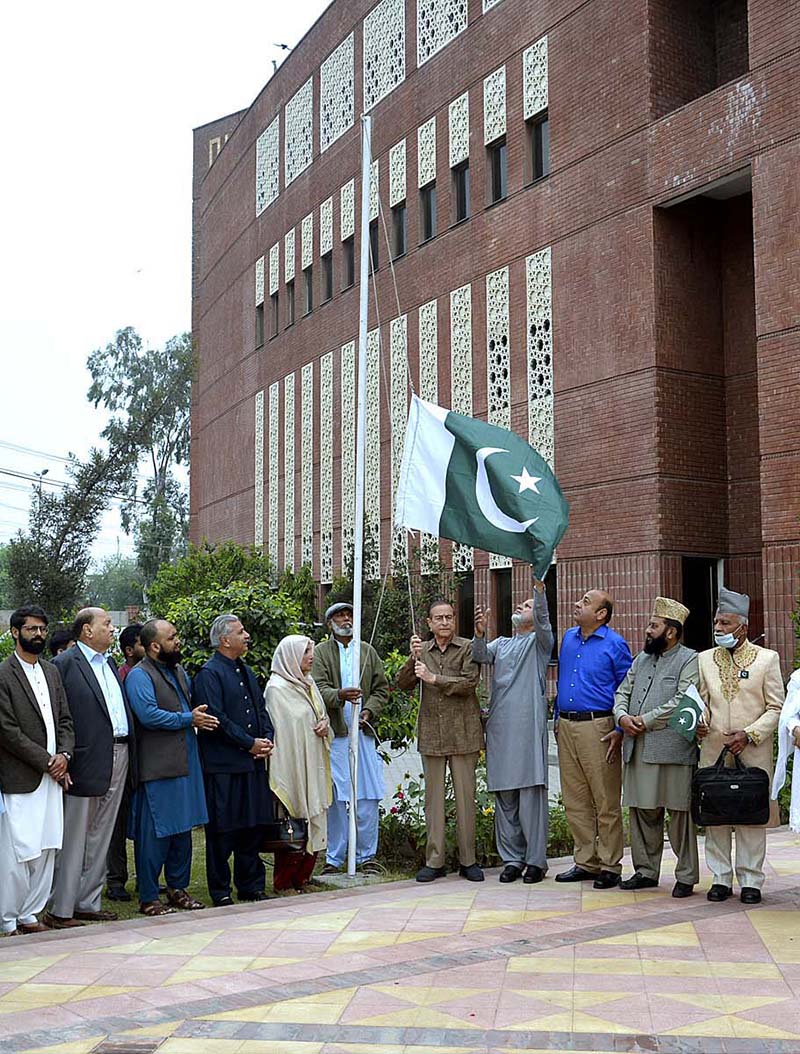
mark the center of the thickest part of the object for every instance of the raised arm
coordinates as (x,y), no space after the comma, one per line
(541,624)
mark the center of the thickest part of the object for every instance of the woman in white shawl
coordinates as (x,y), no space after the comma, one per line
(300,765)
(788,740)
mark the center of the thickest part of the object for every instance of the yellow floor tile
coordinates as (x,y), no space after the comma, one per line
(325,1008)
(567,998)
(780,932)
(363,940)
(120,949)
(204,966)
(426,996)
(79,1046)
(591,901)
(185,944)
(25,969)
(335,922)
(744,971)
(196,1045)
(164,1029)
(479,919)
(727,1004)
(415,1017)
(33,996)
(680,935)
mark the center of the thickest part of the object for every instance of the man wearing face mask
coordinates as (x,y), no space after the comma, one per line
(659,762)
(742,687)
(332,671)
(516,735)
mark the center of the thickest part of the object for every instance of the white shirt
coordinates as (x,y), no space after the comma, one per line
(109,686)
(36,679)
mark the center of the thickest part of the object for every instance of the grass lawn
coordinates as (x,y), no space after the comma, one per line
(197,886)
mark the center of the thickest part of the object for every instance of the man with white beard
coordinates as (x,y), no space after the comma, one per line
(332,672)
(516,735)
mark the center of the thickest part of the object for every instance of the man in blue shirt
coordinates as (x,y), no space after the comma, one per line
(592,664)
(169,799)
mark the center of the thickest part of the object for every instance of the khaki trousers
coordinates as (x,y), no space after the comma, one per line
(88,825)
(462,772)
(591,790)
(647,843)
(751,848)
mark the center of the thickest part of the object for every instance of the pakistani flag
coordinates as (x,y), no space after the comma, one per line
(687,713)
(478,484)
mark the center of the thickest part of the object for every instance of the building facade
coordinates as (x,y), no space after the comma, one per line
(584,227)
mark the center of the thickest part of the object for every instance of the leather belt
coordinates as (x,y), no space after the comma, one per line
(584,715)
(121,739)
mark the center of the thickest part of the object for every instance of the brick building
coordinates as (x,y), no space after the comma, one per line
(592,207)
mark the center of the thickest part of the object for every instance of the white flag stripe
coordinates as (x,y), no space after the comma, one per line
(423,472)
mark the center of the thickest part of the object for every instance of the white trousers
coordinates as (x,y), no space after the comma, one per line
(88,826)
(751,848)
(339,830)
(24,888)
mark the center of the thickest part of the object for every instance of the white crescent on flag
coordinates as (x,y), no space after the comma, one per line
(485,499)
(690,710)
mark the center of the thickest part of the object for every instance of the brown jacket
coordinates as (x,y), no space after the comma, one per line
(23,736)
(449,714)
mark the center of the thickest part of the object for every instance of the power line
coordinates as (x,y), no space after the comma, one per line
(29,450)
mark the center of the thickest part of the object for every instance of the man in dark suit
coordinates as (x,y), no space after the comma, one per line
(99,770)
(237,786)
(36,743)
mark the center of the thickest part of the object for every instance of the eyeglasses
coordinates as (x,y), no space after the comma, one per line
(39,630)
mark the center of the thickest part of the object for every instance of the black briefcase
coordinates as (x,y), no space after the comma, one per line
(723,795)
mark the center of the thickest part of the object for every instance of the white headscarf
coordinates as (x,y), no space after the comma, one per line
(790,717)
(287,657)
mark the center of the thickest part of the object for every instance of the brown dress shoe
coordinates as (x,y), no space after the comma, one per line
(56,922)
(34,927)
(97,916)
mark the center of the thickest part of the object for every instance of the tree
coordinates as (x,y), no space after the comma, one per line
(115,585)
(154,385)
(47,564)
(206,567)
(5,585)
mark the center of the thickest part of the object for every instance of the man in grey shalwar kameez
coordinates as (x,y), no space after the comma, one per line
(516,736)
(659,762)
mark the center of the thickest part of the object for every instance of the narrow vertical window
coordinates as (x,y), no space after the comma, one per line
(327,277)
(538,134)
(259,325)
(399,230)
(348,262)
(275,310)
(290,303)
(374,241)
(427,200)
(461,192)
(308,288)
(498,170)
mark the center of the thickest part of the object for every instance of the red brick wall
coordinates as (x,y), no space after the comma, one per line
(673,435)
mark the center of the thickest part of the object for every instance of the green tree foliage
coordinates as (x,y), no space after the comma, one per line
(47,564)
(116,584)
(267,616)
(138,385)
(301,586)
(205,567)
(386,617)
(5,584)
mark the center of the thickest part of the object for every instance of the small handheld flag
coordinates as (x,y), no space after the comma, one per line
(478,484)
(687,713)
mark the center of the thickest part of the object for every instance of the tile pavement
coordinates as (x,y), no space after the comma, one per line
(410,969)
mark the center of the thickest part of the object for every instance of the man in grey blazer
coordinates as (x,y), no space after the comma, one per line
(36,743)
(659,762)
(104,749)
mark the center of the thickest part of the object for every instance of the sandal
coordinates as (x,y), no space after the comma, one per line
(179,898)
(151,908)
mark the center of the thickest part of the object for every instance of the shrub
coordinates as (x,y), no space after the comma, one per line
(207,567)
(267,616)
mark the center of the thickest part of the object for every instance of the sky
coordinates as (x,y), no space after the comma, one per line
(96,229)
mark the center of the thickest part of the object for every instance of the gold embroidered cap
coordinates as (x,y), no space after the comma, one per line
(666,608)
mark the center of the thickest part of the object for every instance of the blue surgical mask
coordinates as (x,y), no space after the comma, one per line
(725,640)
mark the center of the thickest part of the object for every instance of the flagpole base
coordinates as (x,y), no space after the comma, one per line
(345,881)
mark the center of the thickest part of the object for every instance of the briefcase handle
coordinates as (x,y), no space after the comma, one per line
(720,762)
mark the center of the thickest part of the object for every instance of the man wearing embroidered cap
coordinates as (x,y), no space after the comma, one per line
(742,687)
(332,671)
(659,762)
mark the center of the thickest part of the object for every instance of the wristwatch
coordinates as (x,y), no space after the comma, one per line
(66,754)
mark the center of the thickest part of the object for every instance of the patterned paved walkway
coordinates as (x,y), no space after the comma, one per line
(410,969)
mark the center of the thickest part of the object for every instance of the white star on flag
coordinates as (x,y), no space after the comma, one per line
(526,481)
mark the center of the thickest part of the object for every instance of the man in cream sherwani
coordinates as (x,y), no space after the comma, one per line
(742,687)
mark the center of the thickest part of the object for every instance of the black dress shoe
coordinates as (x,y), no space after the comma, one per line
(471,872)
(638,881)
(223,902)
(576,874)
(682,889)
(750,895)
(259,894)
(718,893)
(533,874)
(118,893)
(428,874)
(607,880)
(510,873)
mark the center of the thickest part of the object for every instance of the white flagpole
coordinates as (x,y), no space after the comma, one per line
(361,438)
